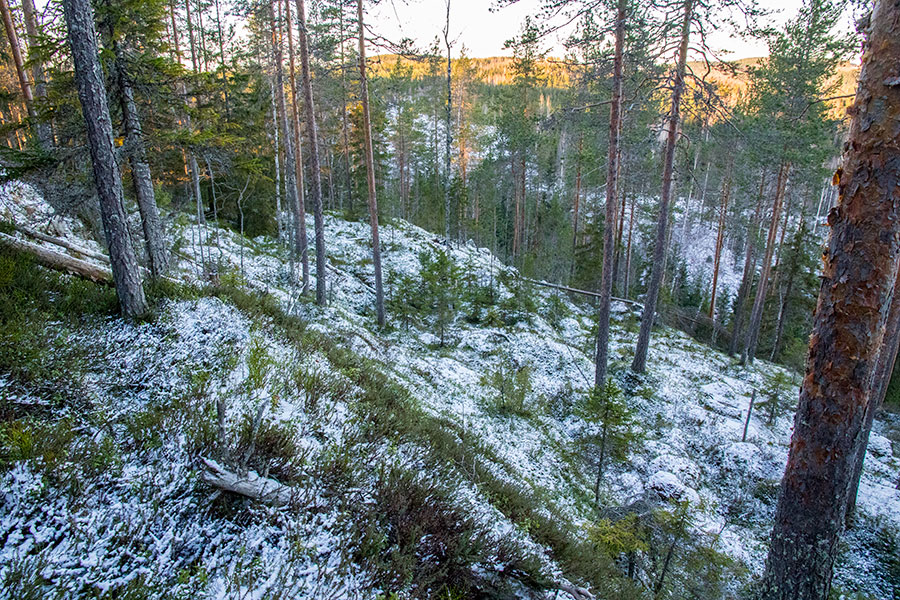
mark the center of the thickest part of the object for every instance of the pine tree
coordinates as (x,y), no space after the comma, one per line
(370,169)
(92,95)
(861,267)
(639,364)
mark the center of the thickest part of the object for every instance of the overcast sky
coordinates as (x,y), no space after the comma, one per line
(483,32)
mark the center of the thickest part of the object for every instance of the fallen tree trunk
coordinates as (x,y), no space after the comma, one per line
(60,242)
(576,592)
(58,261)
(261,489)
(577,291)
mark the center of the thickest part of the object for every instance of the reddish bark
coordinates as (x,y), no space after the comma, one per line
(859,274)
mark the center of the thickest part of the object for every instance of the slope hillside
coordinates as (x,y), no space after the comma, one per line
(454,455)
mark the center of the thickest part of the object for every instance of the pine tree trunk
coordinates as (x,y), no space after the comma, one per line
(749,269)
(302,239)
(612,199)
(279,216)
(448,139)
(315,172)
(860,271)
(222,62)
(191,40)
(345,128)
(44,130)
(154,239)
(782,316)
(92,95)
(723,209)
(626,284)
(291,191)
(617,254)
(575,208)
(370,169)
(18,61)
(756,314)
(887,357)
(639,364)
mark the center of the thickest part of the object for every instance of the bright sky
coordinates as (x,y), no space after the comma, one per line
(483,32)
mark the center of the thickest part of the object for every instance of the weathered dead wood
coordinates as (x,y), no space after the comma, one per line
(58,261)
(577,291)
(60,242)
(261,489)
(576,592)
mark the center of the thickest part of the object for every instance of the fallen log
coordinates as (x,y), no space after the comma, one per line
(58,261)
(576,592)
(261,489)
(60,242)
(577,291)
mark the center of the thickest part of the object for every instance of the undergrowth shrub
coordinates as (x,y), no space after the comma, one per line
(511,385)
(415,540)
(270,448)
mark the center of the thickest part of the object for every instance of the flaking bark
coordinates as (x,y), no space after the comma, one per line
(854,301)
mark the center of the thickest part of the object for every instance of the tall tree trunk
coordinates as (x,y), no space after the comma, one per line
(625,284)
(279,215)
(155,242)
(222,62)
(33,32)
(44,130)
(723,209)
(191,39)
(612,199)
(887,358)
(860,270)
(576,206)
(686,222)
(92,95)
(448,138)
(617,253)
(749,350)
(18,61)
(639,364)
(782,315)
(749,269)
(291,190)
(302,240)
(370,166)
(315,172)
(345,128)
(518,208)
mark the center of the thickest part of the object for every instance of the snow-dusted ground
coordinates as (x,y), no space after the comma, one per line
(149,517)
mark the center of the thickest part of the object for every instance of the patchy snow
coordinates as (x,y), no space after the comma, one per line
(154,520)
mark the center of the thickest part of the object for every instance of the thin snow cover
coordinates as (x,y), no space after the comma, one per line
(153,518)
(699,251)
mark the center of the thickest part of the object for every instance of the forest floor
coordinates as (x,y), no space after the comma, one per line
(416,468)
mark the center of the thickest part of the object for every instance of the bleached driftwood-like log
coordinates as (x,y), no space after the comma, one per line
(60,242)
(576,592)
(262,489)
(58,261)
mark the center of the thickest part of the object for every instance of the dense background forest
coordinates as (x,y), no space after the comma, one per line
(522,165)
